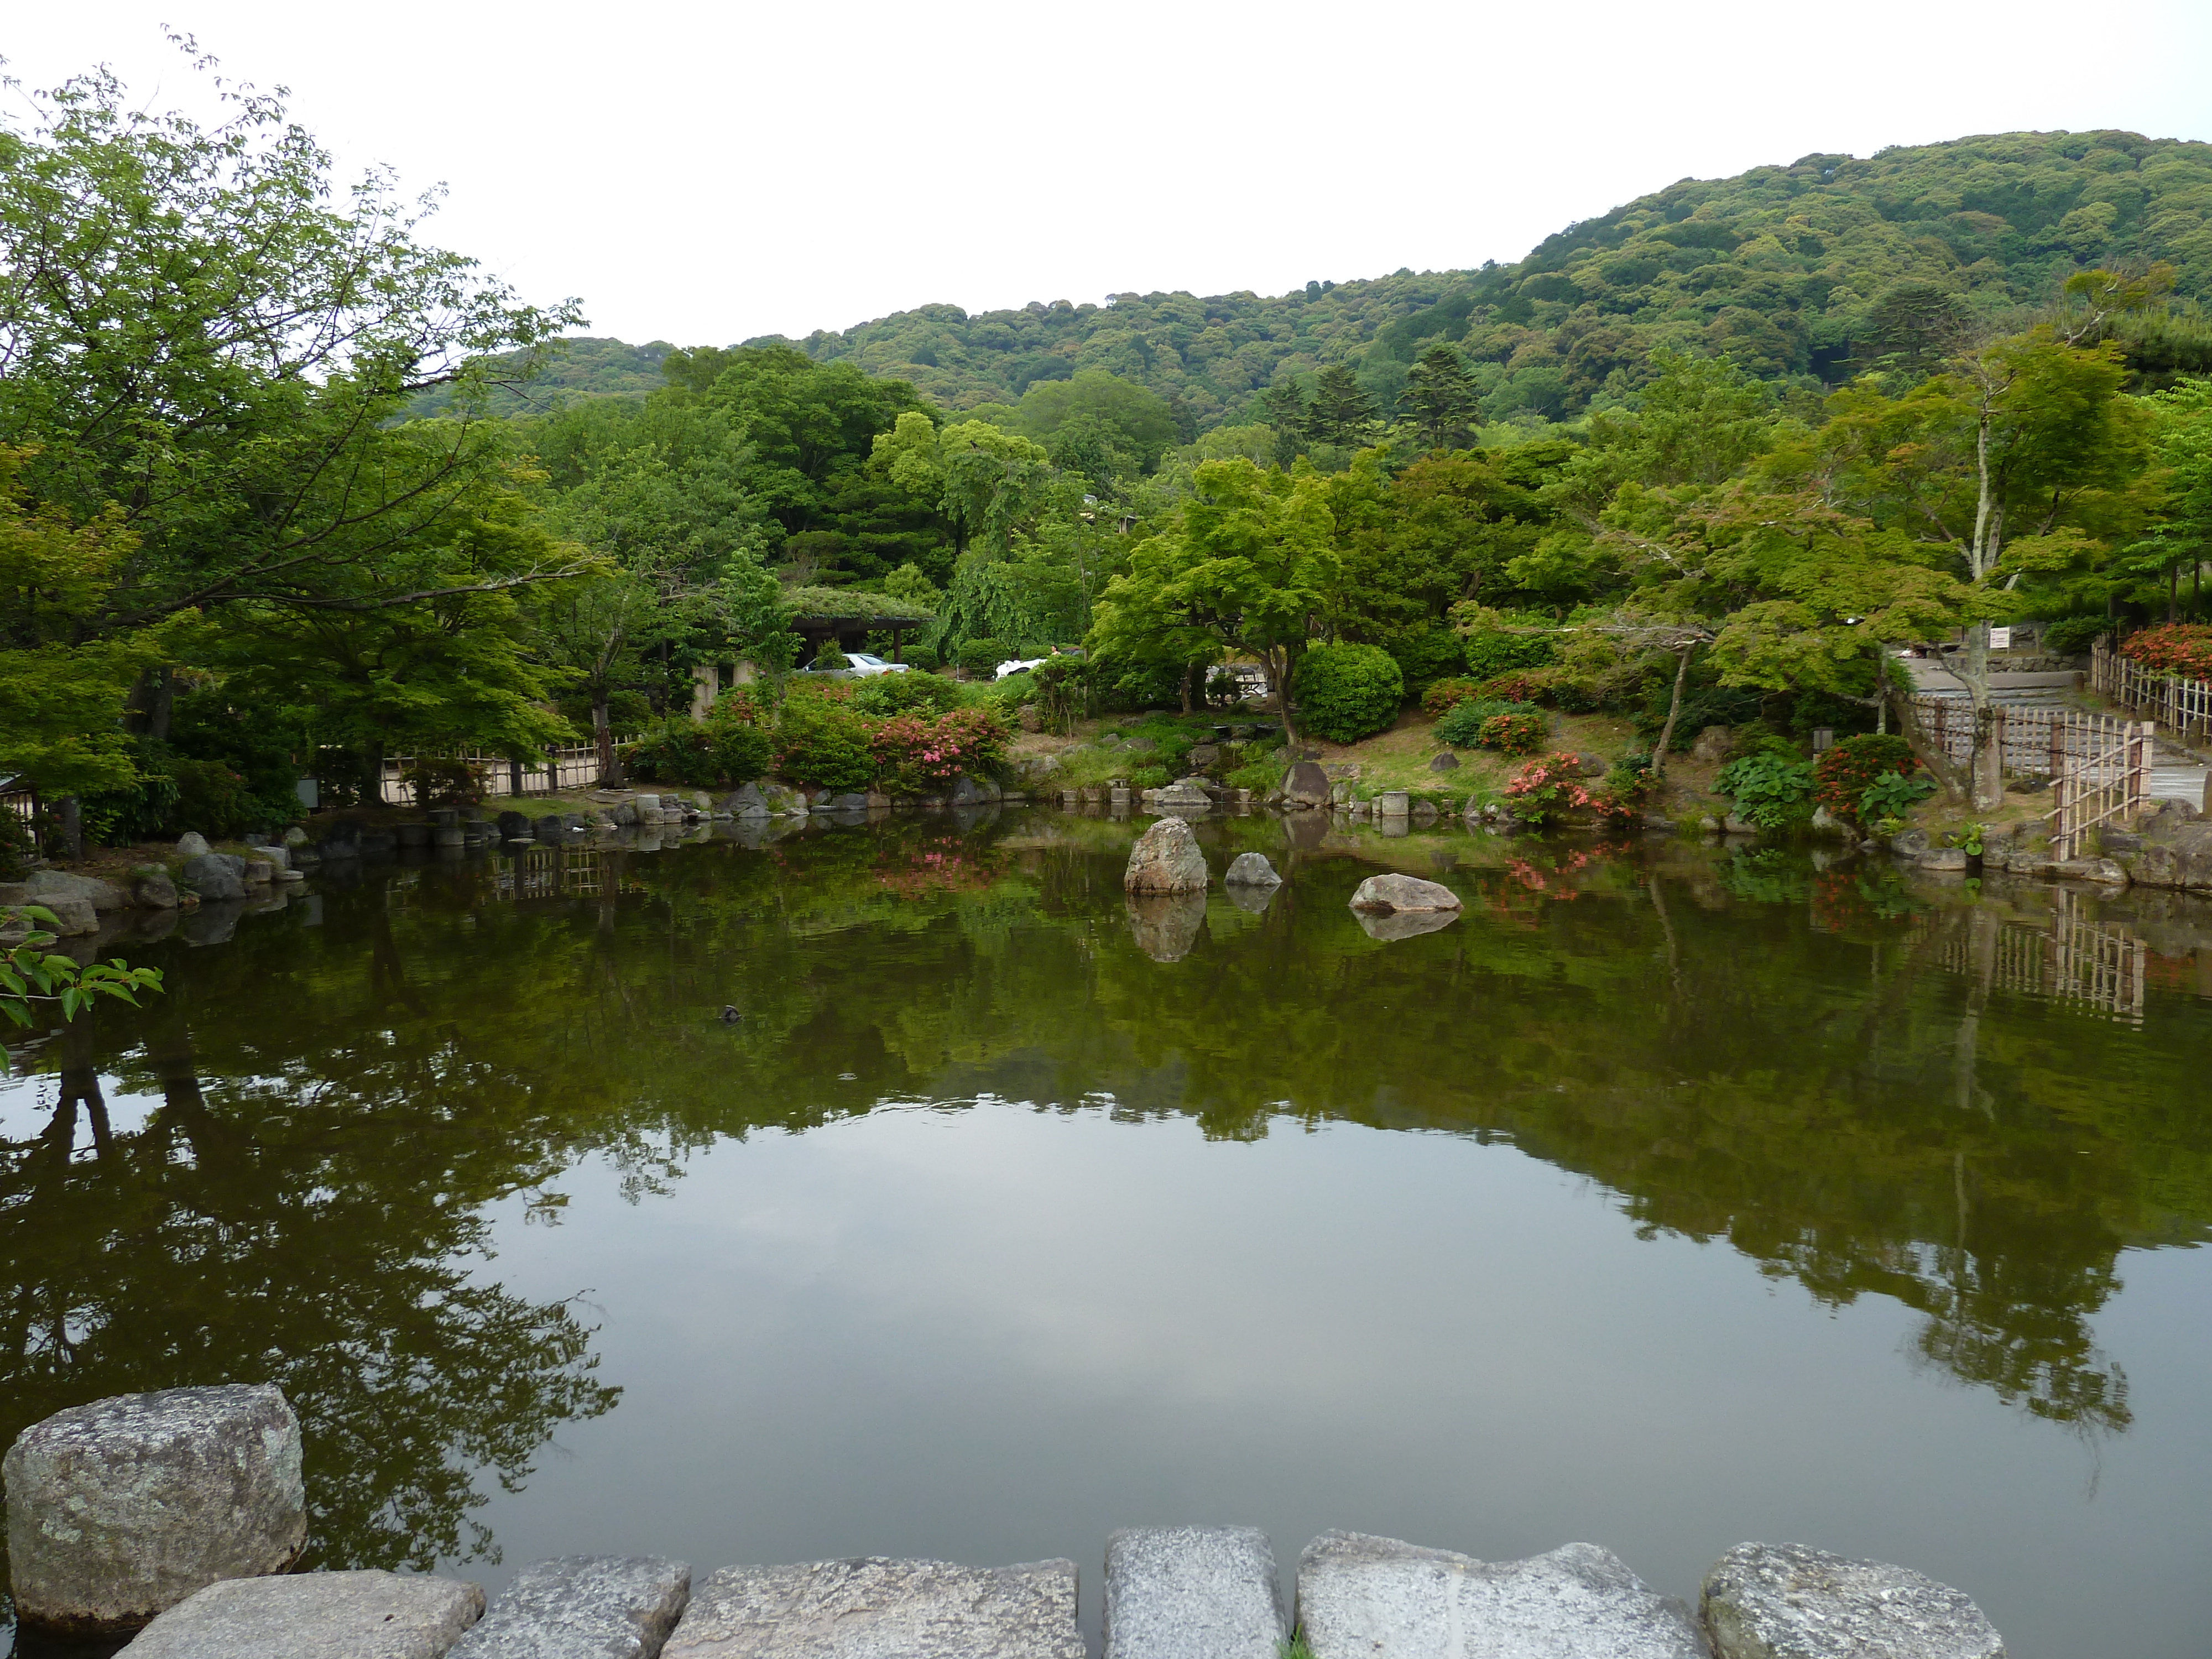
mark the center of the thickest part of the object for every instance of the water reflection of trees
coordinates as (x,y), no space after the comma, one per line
(1748,1054)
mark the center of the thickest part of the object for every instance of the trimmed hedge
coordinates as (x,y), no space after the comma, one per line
(1347,692)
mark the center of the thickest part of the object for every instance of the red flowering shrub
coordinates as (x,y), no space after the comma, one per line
(921,753)
(1521,685)
(2183,648)
(1514,734)
(1445,696)
(1544,788)
(1842,773)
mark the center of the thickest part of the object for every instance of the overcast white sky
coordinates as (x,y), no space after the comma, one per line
(702,173)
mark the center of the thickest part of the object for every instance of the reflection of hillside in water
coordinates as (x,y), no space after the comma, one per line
(1862,1086)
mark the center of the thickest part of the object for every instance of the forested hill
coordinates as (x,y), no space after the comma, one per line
(1804,269)
(587,366)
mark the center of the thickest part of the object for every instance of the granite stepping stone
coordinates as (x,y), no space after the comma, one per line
(1192,1593)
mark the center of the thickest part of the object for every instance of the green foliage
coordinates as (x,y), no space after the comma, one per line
(1464,723)
(578,368)
(2070,634)
(917,754)
(1424,658)
(1261,771)
(882,695)
(1770,788)
(1347,692)
(981,655)
(1149,777)
(822,739)
(1892,795)
(1490,652)
(1844,769)
(1446,695)
(31,978)
(729,748)
(1514,734)
(829,658)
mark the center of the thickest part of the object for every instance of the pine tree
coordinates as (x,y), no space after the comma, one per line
(1342,411)
(1441,398)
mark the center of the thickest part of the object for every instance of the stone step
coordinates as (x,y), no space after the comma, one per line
(583,1607)
(315,1615)
(1362,1597)
(874,1608)
(1192,1593)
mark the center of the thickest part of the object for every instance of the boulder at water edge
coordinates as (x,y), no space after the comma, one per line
(1306,786)
(583,1607)
(1166,860)
(216,876)
(1785,1601)
(1402,892)
(193,845)
(44,886)
(122,1508)
(1184,797)
(1192,1593)
(1361,1597)
(1252,870)
(316,1615)
(867,1608)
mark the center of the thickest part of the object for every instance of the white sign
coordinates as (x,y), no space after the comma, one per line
(2000,639)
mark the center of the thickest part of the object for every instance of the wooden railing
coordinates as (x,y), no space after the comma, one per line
(2036,742)
(20,801)
(2183,706)
(2109,785)
(574,767)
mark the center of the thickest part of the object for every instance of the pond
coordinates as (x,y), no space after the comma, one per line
(1671,1196)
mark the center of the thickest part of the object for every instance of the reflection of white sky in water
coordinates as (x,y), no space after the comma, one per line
(26,1103)
(995,1334)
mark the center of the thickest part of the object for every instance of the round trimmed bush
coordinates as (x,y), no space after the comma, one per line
(1347,692)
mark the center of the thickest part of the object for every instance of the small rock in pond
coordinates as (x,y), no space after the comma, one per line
(583,1607)
(1361,1597)
(1397,891)
(122,1508)
(1192,1593)
(1786,1602)
(1165,860)
(316,1615)
(873,1608)
(1252,870)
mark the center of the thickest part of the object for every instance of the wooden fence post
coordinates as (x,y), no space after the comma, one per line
(2139,753)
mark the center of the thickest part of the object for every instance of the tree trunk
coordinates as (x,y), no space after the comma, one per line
(2173,592)
(1188,669)
(69,820)
(1929,753)
(1279,662)
(372,772)
(1982,768)
(1673,710)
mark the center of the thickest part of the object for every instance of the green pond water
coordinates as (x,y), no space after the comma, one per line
(1668,1197)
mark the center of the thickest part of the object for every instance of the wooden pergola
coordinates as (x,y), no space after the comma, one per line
(827,614)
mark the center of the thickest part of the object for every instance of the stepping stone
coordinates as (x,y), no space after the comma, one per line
(1361,1597)
(875,1608)
(121,1508)
(1785,1601)
(316,1615)
(1192,1593)
(583,1607)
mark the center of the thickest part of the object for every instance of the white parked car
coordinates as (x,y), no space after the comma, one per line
(1018,666)
(864,665)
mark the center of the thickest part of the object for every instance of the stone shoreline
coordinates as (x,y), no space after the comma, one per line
(176,1515)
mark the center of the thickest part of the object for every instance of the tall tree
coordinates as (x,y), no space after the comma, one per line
(1441,397)
(1342,413)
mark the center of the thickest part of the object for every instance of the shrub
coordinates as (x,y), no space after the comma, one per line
(1514,734)
(1524,685)
(1261,771)
(823,740)
(1842,773)
(1426,658)
(1462,726)
(829,657)
(1445,696)
(916,754)
(883,695)
(1893,795)
(2184,648)
(1063,692)
(979,656)
(443,780)
(1347,692)
(1149,777)
(1769,788)
(1544,788)
(727,750)
(1490,652)
(2071,633)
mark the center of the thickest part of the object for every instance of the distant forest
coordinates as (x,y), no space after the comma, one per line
(1807,272)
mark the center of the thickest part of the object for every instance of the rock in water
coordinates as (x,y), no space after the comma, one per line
(216,876)
(1401,892)
(1785,1601)
(1252,870)
(583,1607)
(1306,786)
(122,1508)
(1375,1598)
(44,886)
(316,1615)
(1192,1593)
(869,1608)
(1166,860)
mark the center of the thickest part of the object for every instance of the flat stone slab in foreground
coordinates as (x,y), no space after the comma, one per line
(1361,1597)
(1785,1601)
(1192,1593)
(878,1609)
(583,1607)
(315,1615)
(120,1509)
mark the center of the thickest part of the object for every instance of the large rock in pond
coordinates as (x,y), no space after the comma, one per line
(317,1615)
(73,918)
(1375,1598)
(152,890)
(876,1609)
(1192,1593)
(1252,870)
(1786,1602)
(1306,786)
(216,876)
(583,1607)
(121,1508)
(1396,892)
(44,886)
(1166,860)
